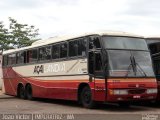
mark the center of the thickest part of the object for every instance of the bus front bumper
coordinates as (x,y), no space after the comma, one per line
(119,98)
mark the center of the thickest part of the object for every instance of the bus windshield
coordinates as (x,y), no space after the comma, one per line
(111,42)
(129,64)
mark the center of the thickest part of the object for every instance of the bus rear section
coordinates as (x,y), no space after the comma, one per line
(154,46)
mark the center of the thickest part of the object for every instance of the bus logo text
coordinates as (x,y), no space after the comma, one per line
(49,68)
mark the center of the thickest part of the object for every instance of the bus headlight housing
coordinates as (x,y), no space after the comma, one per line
(152,91)
(119,92)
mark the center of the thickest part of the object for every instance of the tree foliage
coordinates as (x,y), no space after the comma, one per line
(4,38)
(17,35)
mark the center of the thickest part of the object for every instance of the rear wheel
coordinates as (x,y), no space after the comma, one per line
(21,92)
(86,98)
(29,92)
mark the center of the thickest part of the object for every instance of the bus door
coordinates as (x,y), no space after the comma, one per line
(156,64)
(97,75)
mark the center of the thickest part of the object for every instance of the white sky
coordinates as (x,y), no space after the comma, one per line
(59,17)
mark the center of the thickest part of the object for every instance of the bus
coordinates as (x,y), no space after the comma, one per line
(95,67)
(154,46)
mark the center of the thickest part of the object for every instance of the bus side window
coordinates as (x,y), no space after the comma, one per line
(20,57)
(73,48)
(5,60)
(77,47)
(25,56)
(82,45)
(94,43)
(45,53)
(63,50)
(12,59)
(33,55)
(55,51)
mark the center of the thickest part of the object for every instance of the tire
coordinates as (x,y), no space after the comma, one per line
(29,92)
(21,92)
(86,98)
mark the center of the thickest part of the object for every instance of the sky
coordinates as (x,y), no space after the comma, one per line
(62,17)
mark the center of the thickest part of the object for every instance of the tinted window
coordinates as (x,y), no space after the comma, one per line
(82,45)
(55,51)
(20,57)
(124,43)
(94,43)
(45,53)
(154,48)
(11,59)
(130,63)
(5,60)
(32,54)
(150,41)
(73,48)
(63,50)
(157,68)
(143,62)
(77,47)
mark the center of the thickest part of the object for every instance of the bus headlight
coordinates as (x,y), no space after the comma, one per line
(151,91)
(119,92)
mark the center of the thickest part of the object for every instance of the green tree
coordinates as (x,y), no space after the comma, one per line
(17,35)
(22,34)
(5,42)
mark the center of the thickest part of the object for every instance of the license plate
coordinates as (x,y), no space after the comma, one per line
(136,96)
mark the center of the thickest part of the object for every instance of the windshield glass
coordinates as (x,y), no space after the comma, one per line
(130,64)
(111,42)
(143,61)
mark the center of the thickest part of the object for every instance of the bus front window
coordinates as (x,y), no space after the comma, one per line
(130,64)
(128,57)
(111,42)
(119,63)
(143,62)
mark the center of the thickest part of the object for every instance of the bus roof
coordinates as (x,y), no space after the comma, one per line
(153,37)
(64,38)
(153,40)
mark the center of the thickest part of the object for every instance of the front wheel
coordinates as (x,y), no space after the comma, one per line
(86,98)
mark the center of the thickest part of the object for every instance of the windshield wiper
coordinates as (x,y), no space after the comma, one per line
(141,70)
(131,65)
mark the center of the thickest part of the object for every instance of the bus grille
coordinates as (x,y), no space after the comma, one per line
(136,91)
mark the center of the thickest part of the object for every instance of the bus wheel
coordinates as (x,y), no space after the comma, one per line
(29,92)
(21,92)
(86,98)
